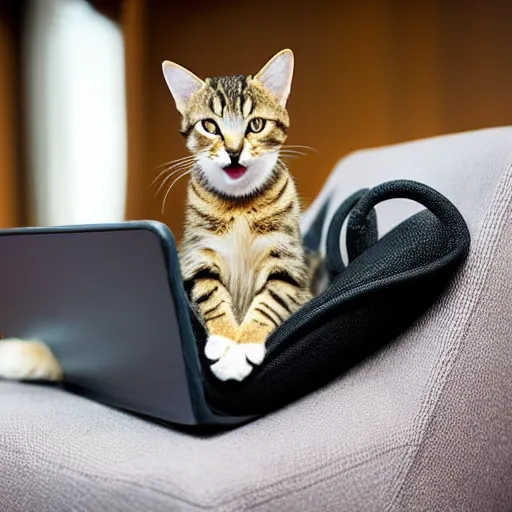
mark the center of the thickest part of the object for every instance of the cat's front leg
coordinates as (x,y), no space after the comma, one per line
(270,308)
(213,301)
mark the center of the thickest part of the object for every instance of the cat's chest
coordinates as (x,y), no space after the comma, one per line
(241,249)
(242,253)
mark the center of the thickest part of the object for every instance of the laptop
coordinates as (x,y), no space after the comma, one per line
(109,301)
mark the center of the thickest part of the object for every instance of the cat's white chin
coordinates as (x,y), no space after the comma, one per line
(251,182)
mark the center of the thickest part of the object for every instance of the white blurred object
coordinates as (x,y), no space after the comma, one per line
(76,114)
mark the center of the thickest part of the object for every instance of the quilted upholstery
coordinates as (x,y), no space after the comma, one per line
(426,424)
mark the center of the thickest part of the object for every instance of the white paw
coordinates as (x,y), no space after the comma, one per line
(233,358)
(255,352)
(217,346)
(28,360)
(233,365)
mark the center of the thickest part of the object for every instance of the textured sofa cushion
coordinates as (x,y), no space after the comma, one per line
(426,424)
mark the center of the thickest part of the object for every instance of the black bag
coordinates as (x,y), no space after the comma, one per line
(386,286)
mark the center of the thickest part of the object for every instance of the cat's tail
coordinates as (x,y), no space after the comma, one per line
(28,360)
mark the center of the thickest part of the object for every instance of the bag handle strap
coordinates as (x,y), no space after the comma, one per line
(362,219)
(365,236)
(430,198)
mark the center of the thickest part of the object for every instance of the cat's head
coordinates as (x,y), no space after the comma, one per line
(234,125)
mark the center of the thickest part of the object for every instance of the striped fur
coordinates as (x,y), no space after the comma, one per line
(249,254)
(242,260)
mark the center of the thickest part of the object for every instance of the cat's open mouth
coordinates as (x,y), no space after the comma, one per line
(235,171)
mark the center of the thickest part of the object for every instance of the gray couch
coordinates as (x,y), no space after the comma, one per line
(426,424)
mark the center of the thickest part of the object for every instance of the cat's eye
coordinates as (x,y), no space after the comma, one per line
(256,125)
(210,126)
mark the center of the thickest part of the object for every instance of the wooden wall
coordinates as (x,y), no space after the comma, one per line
(368,73)
(10,208)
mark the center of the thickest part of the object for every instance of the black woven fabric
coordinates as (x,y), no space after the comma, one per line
(387,284)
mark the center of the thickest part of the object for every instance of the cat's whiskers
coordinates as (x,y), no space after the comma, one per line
(298,146)
(172,184)
(285,155)
(188,157)
(291,157)
(177,166)
(184,167)
(292,152)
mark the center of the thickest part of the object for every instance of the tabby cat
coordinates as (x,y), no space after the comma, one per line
(241,255)
(242,260)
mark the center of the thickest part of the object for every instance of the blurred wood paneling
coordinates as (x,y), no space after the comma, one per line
(140,136)
(10,208)
(367,74)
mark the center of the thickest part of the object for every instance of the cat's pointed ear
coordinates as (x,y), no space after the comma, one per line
(276,75)
(181,82)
